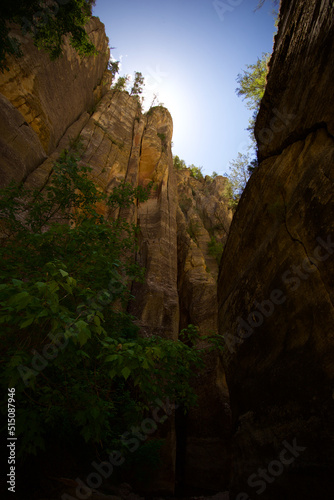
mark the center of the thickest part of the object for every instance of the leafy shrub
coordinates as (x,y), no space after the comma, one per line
(179,164)
(68,346)
(47,24)
(162,137)
(196,172)
(121,83)
(215,248)
(193,229)
(152,108)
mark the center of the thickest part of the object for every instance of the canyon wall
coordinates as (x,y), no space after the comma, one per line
(41,99)
(277,272)
(48,106)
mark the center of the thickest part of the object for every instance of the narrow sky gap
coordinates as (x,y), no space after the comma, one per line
(190,52)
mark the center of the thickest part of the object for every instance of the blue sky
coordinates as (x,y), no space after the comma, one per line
(190,52)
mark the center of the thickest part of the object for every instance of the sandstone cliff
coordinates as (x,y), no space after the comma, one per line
(202,218)
(41,99)
(276,276)
(47,105)
(119,142)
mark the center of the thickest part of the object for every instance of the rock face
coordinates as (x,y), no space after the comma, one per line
(276,278)
(120,143)
(298,97)
(203,220)
(48,105)
(50,96)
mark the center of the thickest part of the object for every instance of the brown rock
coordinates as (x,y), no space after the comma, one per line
(205,433)
(277,276)
(51,95)
(58,100)
(156,306)
(294,103)
(20,148)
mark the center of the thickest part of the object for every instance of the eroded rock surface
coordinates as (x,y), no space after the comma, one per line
(50,95)
(203,217)
(48,106)
(276,278)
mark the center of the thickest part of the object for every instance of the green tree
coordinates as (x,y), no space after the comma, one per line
(196,172)
(113,67)
(215,248)
(178,163)
(252,82)
(121,83)
(64,291)
(138,83)
(47,24)
(240,171)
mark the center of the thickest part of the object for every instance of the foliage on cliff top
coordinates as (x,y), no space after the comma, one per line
(252,84)
(47,23)
(132,87)
(161,107)
(68,346)
(195,172)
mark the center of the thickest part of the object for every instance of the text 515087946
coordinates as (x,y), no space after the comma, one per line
(11,441)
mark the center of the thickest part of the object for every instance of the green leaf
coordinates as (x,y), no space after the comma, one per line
(83,353)
(113,357)
(145,364)
(27,322)
(84,332)
(20,300)
(17,282)
(63,273)
(126,372)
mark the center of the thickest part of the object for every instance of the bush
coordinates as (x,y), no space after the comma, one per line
(215,249)
(68,346)
(196,172)
(194,229)
(162,138)
(47,24)
(179,164)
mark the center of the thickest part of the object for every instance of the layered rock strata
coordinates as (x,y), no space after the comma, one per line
(41,99)
(48,106)
(203,222)
(276,277)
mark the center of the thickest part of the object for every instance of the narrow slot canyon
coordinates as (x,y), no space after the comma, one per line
(160,340)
